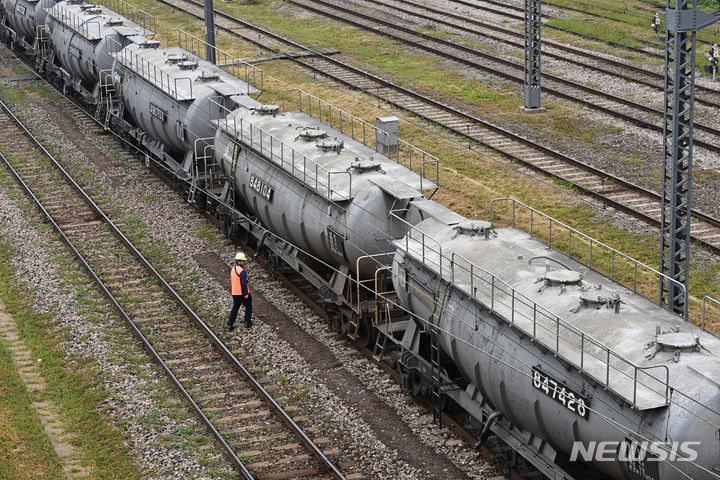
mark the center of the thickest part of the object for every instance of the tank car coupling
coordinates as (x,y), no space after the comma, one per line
(674,342)
(362,166)
(267,109)
(474,227)
(328,145)
(310,133)
(486,429)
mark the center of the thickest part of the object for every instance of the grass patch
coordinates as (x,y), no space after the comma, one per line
(73,391)
(25,448)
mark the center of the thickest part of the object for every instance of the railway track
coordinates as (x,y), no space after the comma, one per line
(257,432)
(517,13)
(559,51)
(606,188)
(707,137)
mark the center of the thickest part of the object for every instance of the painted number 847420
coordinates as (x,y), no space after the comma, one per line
(573,401)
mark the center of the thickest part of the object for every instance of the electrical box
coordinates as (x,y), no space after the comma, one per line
(387,142)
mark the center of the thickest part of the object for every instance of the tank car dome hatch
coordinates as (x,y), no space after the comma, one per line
(206,76)
(91,9)
(267,109)
(362,166)
(310,133)
(114,22)
(675,342)
(328,145)
(472,228)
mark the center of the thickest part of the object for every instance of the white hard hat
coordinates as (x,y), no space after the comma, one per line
(240,256)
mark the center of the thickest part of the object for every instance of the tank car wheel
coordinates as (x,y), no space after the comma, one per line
(336,323)
(364,336)
(415,383)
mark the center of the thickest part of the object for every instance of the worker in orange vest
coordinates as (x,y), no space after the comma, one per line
(240,292)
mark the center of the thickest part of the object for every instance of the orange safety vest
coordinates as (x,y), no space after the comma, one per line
(235,280)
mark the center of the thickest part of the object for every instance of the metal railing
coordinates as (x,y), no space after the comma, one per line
(707,298)
(250,74)
(132,13)
(592,245)
(588,354)
(88,29)
(286,157)
(150,72)
(416,159)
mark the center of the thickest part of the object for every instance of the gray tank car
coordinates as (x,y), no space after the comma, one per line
(23,17)
(83,35)
(167,93)
(529,330)
(313,185)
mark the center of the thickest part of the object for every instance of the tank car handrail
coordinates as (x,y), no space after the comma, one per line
(423,236)
(132,13)
(358,279)
(75,22)
(426,158)
(592,242)
(148,71)
(705,298)
(224,60)
(271,153)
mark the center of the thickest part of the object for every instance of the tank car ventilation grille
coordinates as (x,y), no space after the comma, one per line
(674,342)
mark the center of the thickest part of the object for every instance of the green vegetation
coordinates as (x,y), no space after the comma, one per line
(24,446)
(73,390)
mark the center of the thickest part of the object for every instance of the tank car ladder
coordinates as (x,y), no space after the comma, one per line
(435,371)
(108,98)
(41,42)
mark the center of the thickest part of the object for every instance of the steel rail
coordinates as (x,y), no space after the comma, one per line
(715,147)
(489,126)
(560,29)
(332,469)
(659,77)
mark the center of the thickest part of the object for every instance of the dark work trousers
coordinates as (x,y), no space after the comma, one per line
(239,301)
